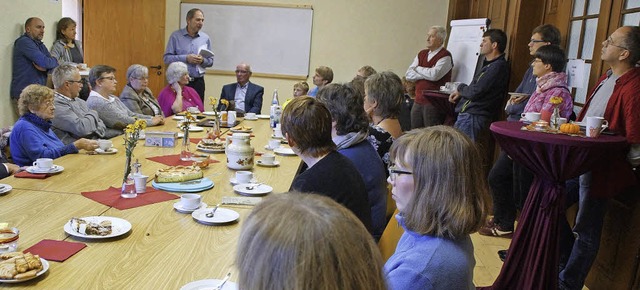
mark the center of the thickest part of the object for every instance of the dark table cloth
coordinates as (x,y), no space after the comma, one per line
(440,100)
(532,262)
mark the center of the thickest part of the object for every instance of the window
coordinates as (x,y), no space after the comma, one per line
(582,39)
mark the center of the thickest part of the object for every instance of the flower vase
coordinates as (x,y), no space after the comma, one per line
(553,121)
(128,185)
(185,152)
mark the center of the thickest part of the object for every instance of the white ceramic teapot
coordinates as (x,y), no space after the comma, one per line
(239,152)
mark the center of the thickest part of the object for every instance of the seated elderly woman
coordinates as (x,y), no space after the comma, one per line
(350,129)
(312,241)
(383,95)
(441,200)
(177,96)
(110,108)
(32,137)
(136,95)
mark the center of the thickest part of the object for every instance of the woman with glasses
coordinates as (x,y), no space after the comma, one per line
(32,137)
(136,95)
(177,96)
(112,111)
(442,197)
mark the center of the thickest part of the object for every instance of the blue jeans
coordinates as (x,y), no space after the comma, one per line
(475,126)
(579,246)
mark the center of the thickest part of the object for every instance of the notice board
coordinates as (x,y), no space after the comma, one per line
(464,44)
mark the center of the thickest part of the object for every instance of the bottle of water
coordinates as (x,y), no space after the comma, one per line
(275,100)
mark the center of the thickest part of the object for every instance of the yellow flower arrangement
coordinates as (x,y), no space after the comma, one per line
(213,102)
(131,136)
(188,119)
(555,100)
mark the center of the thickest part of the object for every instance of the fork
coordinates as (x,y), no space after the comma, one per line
(223,281)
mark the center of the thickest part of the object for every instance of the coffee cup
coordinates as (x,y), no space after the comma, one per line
(43,163)
(193,110)
(244,176)
(190,201)
(250,116)
(105,145)
(562,121)
(531,116)
(268,159)
(140,182)
(82,66)
(595,126)
(231,118)
(274,143)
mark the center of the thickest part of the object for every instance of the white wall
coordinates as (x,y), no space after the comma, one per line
(13,15)
(347,35)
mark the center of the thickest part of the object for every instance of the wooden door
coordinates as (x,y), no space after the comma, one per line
(120,33)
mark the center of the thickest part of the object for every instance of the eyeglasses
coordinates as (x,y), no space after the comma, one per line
(241,71)
(394,172)
(142,78)
(79,82)
(108,78)
(609,42)
(536,41)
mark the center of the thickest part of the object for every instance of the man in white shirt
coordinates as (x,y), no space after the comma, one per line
(430,69)
(245,95)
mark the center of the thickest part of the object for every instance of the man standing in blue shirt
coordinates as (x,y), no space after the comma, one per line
(31,59)
(185,44)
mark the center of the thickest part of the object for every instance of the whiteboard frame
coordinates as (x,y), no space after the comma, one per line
(256,69)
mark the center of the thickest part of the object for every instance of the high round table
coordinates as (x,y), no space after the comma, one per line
(532,262)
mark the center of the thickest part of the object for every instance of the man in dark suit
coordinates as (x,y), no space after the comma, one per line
(244,95)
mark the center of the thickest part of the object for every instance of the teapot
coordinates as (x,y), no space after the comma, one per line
(240,154)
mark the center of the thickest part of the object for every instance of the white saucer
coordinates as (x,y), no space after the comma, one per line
(195,129)
(284,151)
(263,116)
(251,119)
(233,180)
(209,113)
(178,207)
(276,137)
(269,148)
(274,164)
(111,151)
(4,188)
(222,216)
(52,170)
(209,284)
(176,117)
(262,189)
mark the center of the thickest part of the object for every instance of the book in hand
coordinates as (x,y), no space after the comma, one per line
(205,53)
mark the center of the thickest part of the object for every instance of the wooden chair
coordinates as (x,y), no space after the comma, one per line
(390,238)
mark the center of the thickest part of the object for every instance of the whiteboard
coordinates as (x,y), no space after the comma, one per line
(464,44)
(273,39)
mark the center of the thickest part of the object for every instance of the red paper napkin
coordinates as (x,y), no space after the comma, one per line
(25,174)
(53,250)
(111,197)
(174,160)
(195,140)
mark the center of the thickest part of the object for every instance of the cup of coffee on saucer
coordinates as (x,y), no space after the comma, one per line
(243,177)
(190,201)
(274,144)
(531,116)
(250,116)
(43,163)
(105,145)
(268,159)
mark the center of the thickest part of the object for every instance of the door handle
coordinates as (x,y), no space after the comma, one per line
(156,66)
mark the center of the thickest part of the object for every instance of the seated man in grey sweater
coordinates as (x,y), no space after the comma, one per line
(73,119)
(111,110)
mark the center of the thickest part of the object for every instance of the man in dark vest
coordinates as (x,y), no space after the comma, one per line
(430,69)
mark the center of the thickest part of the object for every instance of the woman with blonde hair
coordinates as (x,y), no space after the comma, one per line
(442,199)
(32,136)
(306,241)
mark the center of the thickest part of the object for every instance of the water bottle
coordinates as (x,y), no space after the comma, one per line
(274,115)
(275,100)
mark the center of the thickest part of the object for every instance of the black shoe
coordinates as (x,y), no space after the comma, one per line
(502,254)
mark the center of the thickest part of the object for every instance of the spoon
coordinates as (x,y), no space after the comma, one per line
(213,212)
(223,282)
(251,187)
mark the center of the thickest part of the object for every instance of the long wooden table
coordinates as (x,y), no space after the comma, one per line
(164,250)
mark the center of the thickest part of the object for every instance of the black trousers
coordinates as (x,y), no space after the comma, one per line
(510,183)
(198,85)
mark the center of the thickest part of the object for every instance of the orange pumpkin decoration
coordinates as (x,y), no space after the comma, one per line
(569,128)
